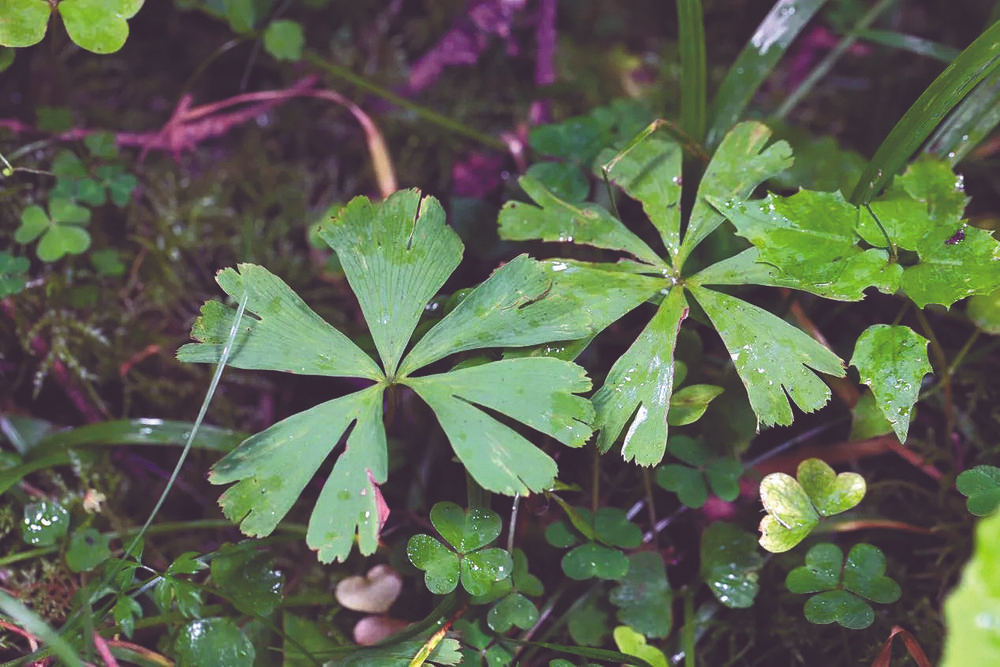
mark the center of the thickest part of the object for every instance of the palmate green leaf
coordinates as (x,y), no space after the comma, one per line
(639,387)
(286,335)
(498,457)
(396,256)
(740,164)
(465,530)
(526,302)
(892,360)
(554,219)
(771,356)
(271,474)
(648,170)
(810,238)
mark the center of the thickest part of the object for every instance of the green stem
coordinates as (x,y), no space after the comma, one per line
(478,496)
(425,113)
(689,627)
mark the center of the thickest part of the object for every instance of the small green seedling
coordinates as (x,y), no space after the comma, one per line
(689,483)
(608,532)
(61,229)
(982,485)
(795,506)
(730,562)
(465,559)
(843,587)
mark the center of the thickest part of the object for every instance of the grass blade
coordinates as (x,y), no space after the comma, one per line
(754,64)
(831,58)
(693,73)
(971,122)
(971,66)
(911,43)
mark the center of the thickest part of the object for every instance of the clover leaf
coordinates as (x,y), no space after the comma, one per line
(396,256)
(794,506)
(644,597)
(514,608)
(982,485)
(892,361)
(467,532)
(729,564)
(12,274)
(96,25)
(843,587)
(775,361)
(60,229)
(600,555)
(689,483)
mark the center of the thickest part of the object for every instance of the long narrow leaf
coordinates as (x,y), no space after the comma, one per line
(974,64)
(693,73)
(969,123)
(754,64)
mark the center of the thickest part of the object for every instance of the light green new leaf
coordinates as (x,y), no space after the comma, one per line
(740,164)
(795,505)
(99,26)
(971,607)
(791,515)
(771,356)
(810,238)
(396,256)
(283,39)
(285,336)
(892,360)
(274,466)
(649,171)
(640,383)
(24,22)
(554,219)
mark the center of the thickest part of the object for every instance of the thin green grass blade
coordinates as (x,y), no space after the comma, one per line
(971,122)
(693,73)
(911,43)
(831,58)
(36,625)
(754,64)
(975,63)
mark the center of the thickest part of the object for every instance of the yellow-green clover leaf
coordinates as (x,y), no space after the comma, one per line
(795,506)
